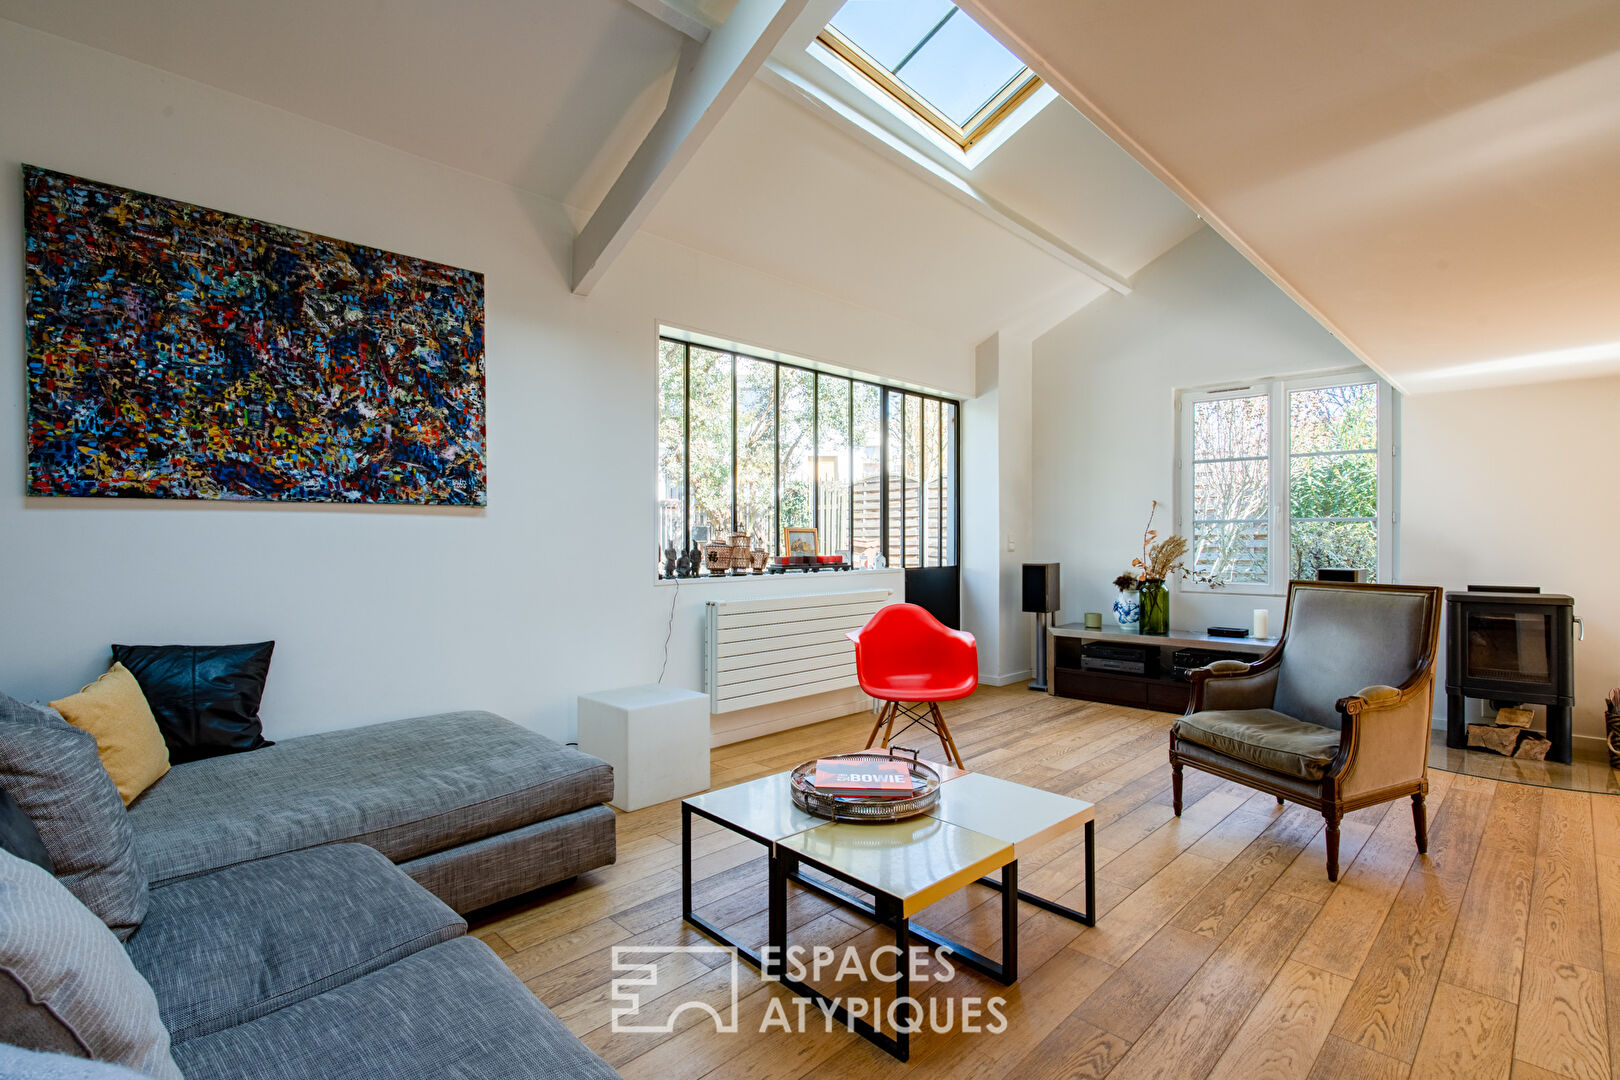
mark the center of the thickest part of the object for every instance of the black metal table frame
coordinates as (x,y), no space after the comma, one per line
(784,866)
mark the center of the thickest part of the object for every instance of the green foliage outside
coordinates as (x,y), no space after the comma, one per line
(760,462)
(1329,478)
(1332,483)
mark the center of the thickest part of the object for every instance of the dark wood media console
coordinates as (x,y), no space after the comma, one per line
(1162,691)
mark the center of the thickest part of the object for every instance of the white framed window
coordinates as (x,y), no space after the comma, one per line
(1280,477)
(755,444)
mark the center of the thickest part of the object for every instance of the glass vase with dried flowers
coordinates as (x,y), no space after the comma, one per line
(1160,559)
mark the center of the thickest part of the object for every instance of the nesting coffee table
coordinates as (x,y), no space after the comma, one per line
(980,825)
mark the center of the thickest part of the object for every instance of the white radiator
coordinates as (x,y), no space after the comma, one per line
(757,652)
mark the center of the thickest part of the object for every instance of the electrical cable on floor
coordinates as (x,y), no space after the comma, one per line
(669,631)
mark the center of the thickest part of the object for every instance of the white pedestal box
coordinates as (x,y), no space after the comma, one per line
(655,737)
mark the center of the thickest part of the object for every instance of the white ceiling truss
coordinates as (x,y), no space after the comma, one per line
(710,76)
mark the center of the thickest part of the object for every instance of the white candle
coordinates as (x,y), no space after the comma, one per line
(1262,622)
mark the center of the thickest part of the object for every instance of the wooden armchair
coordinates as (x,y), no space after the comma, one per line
(1335,717)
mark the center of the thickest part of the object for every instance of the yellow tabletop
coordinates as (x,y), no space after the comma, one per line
(917,861)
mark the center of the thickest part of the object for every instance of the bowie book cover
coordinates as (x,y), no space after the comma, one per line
(881,778)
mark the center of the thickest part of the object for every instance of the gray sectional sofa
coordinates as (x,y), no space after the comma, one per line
(471,805)
(329,962)
(278,935)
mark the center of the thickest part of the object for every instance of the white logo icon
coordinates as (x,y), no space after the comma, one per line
(640,963)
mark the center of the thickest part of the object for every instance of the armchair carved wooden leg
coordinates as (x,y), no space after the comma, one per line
(1332,844)
(1175,786)
(1420,823)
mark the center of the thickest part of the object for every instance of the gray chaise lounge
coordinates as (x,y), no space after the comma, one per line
(471,805)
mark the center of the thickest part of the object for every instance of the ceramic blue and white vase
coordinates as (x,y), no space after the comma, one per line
(1128,611)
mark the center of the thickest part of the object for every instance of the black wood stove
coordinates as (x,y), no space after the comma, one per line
(1511,645)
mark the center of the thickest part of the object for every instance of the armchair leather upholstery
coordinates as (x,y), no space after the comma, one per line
(1292,723)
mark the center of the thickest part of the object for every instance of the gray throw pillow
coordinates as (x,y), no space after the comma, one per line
(17,1062)
(53,772)
(78,989)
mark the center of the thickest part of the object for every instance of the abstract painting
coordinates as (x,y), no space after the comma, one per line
(183,353)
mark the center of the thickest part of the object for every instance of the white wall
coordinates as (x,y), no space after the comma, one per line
(981,489)
(1104,412)
(386,612)
(1521,486)
(996,484)
(1015,449)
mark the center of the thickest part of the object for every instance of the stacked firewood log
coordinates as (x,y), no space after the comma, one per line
(1510,735)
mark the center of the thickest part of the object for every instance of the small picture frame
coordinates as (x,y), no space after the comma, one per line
(799,541)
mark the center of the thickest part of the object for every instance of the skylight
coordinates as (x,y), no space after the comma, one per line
(935,60)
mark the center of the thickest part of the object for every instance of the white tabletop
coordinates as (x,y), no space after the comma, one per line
(979,825)
(763,807)
(1023,816)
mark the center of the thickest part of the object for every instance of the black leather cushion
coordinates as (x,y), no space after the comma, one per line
(205,697)
(18,836)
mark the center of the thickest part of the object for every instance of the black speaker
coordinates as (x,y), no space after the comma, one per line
(1041,587)
(1340,573)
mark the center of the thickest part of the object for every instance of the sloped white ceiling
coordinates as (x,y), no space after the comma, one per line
(553,96)
(1059,170)
(1438,182)
(779,189)
(527,92)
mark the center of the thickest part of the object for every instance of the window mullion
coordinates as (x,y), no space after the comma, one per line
(1181,479)
(686,447)
(1281,541)
(903,507)
(776,457)
(733,442)
(1388,483)
(917,48)
(939,491)
(883,474)
(815,454)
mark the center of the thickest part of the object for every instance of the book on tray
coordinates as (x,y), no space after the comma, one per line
(866,778)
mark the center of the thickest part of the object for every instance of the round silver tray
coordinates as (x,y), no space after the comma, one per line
(924,787)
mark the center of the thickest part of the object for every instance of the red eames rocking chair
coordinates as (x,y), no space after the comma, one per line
(911,662)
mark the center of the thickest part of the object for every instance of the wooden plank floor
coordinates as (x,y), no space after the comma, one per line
(1222,949)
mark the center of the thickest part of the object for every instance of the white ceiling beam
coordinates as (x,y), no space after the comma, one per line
(940,178)
(708,79)
(676,18)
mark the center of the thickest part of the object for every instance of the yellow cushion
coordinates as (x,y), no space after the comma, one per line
(131,747)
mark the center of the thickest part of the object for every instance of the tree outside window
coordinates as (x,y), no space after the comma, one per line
(751,445)
(1325,456)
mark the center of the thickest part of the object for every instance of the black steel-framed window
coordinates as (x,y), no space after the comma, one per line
(749,444)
